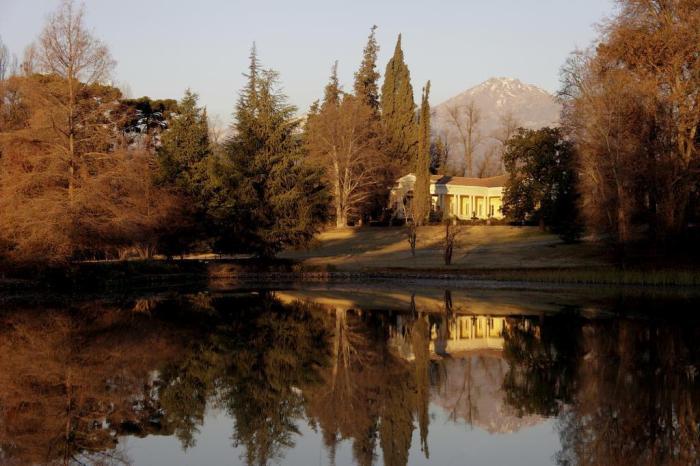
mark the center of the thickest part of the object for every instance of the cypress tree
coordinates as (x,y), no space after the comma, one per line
(265,196)
(421,189)
(366,78)
(398,110)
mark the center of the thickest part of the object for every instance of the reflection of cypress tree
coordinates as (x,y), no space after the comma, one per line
(448,304)
(421,350)
(396,425)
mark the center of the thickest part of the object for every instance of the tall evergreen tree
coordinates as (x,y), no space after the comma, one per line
(398,110)
(185,147)
(366,89)
(265,196)
(366,78)
(332,92)
(183,158)
(421,189)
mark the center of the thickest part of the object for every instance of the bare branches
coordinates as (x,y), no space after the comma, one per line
(69,50)
(633,107)
(4,60)
(466,121)
(342,140)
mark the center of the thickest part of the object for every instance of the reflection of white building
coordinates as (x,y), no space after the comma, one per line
(459,334)
(469,369)
(468,333)
(454,196)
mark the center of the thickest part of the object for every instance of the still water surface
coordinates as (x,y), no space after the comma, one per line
(350,376)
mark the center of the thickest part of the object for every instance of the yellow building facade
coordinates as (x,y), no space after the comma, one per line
(454,196)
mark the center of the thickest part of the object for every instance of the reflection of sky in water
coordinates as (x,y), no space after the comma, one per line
(450,443)
(495,388)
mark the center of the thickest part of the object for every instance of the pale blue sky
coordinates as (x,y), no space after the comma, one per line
(165,46)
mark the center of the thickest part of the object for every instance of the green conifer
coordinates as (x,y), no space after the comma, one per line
(367,77)
(398,110)
(332,92)
(183,158)
(185,147)
(421,189)
(265,196)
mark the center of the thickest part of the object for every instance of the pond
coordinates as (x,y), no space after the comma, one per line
(350,375)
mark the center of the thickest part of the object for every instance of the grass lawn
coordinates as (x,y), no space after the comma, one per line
(477,247)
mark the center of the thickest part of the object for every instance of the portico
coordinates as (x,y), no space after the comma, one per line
(455,196)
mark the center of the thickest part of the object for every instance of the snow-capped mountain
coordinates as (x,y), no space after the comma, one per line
(531,106)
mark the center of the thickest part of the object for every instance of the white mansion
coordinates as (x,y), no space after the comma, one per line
(454,196)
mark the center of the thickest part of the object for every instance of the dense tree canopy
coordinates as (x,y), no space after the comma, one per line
(264,194)
(541,184)
(399,111)
(632,111)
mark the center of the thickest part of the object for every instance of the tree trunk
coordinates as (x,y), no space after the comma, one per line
(341,218)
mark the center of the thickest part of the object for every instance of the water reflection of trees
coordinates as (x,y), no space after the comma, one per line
(370,394)
(73,379)
(625,391)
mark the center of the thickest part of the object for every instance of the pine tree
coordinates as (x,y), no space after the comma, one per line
(332,92)
(366,90)
(398,110)
(185,147)
(183,158)
(265,196)
(421,189)
(366,78)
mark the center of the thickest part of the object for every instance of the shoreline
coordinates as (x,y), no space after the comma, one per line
(203,273)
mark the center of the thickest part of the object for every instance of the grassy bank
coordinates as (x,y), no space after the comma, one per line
(483,253)
(477,247)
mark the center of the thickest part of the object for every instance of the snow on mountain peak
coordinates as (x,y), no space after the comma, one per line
(531,106)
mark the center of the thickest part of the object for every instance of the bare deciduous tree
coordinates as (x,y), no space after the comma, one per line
(466,122)
(217,129)
(341,139)
(451,232)
(608,119)
(489,164)
(29,60)
(68,188)
(508,126)
(633,108)
(67,49)
(412,237)
(4,60)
